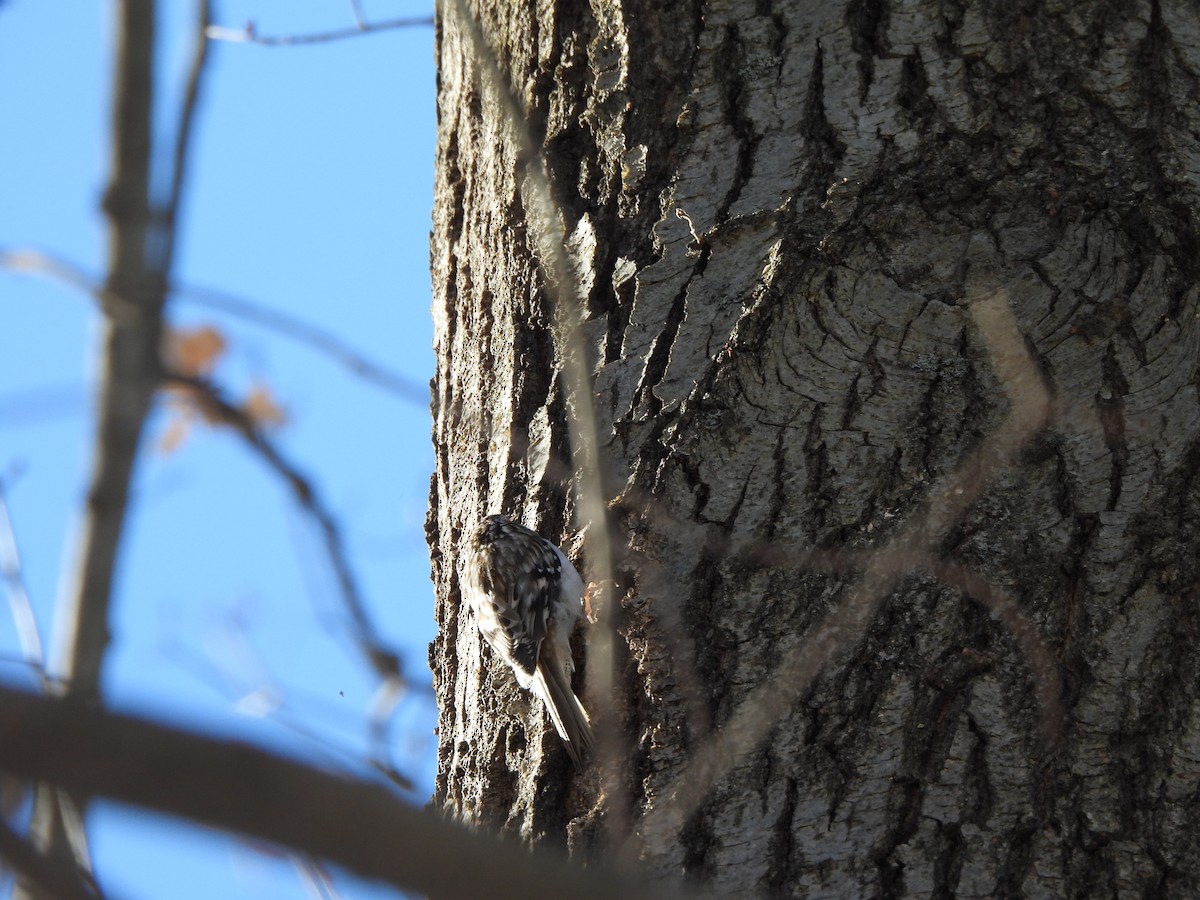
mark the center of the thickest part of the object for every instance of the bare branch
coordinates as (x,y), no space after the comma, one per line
(183,138)
(34,262)
(24,619)
(281,709)
(38,263)
(1008,612)
(305,333)
(214,404)
(140,252)
(236,787)
(781,555)
(63,882)
(915,541)
(250,35)
(128,383)
(141,242)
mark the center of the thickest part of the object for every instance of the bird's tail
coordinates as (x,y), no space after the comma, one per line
(570,719)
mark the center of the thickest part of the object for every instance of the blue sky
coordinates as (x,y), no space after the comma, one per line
(310,193)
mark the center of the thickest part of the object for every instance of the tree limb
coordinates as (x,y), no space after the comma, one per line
(63,882)
(236,787)
(914,542)
(206,394)
(130,360)
(289,326)
(24,619)
(140,247)
(249,34)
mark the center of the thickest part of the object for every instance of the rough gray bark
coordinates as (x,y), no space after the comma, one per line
(796,366)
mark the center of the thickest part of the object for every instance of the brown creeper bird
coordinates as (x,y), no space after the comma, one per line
(527,597)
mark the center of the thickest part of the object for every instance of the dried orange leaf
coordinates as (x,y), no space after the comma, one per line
(262,409)
(195,352)
(177,431)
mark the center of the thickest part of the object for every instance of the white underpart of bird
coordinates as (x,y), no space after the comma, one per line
(527,597)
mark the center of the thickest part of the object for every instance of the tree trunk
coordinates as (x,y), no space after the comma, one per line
(834,256)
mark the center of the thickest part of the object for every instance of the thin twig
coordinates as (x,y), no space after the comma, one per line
(36,262)
(310,335)
(781,555)
(24,619)
(250,35)
(1003,607)
(289,715)
(1047,684)
(915,541)
(183,134)
(314,877)
(386,662)
(60,881)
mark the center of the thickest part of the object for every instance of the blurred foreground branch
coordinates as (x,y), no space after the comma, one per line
(141,241)
(249,33)
(60,881)
(35,262)
(910,547)
(236,787)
